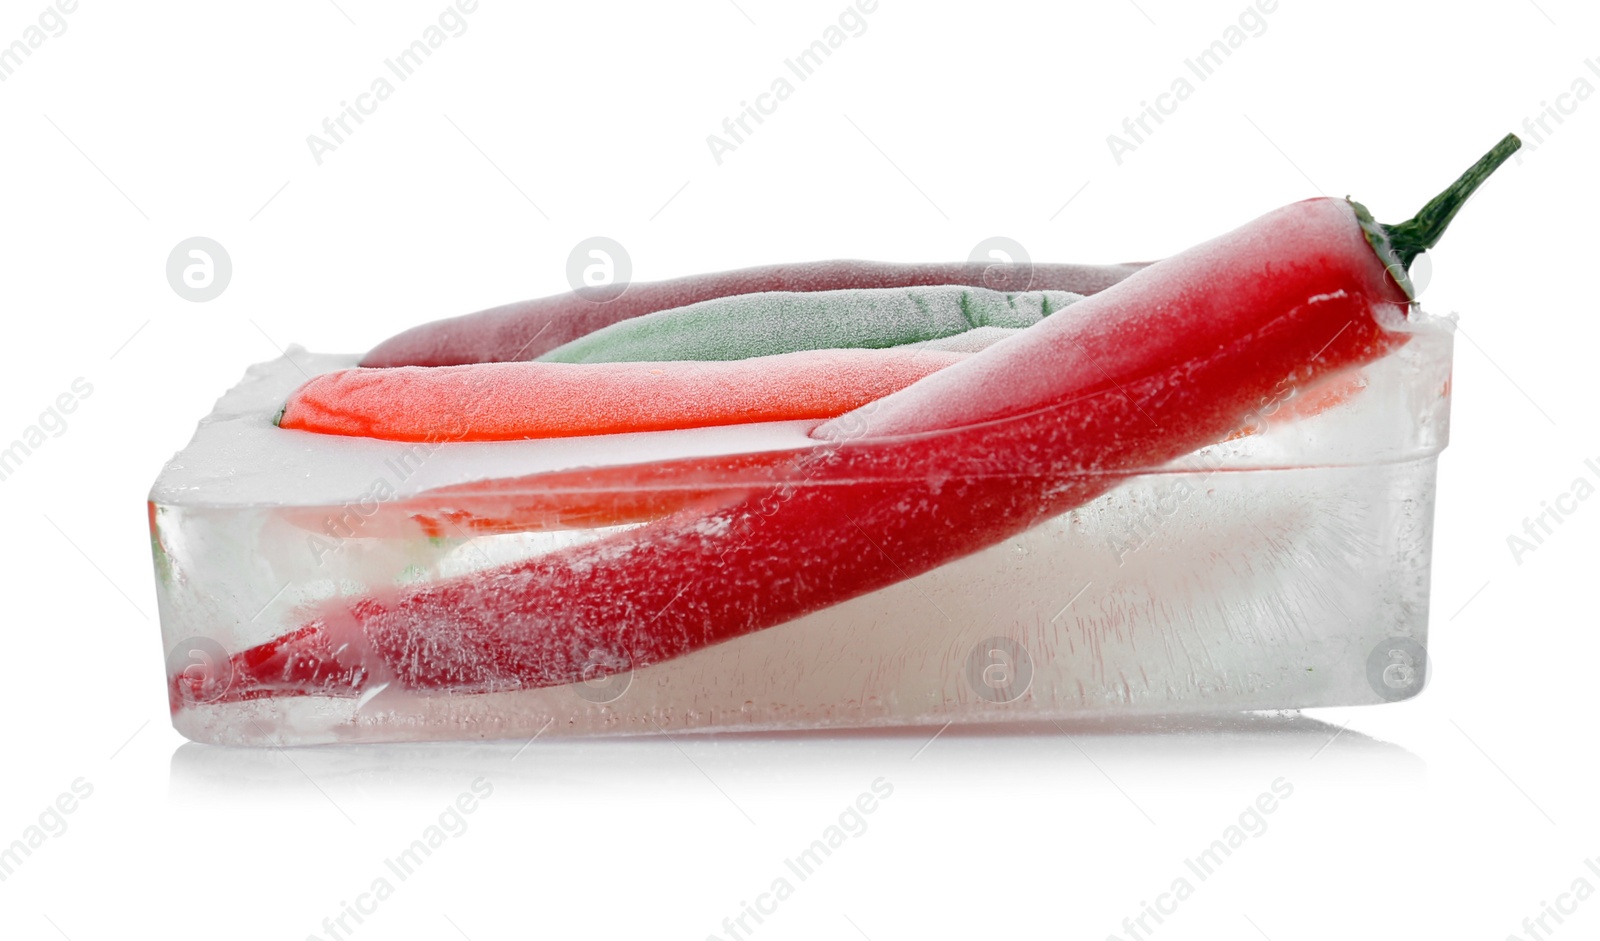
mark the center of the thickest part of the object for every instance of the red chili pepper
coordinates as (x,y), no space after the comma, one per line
(1172,359)
(591,497)
(509,401)
(529,329)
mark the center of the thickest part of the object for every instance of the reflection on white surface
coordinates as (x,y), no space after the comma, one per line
(1154,752)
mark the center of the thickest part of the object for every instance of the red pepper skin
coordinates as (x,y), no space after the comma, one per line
(529,329)
(514,401)
(586,498)
(1176,357)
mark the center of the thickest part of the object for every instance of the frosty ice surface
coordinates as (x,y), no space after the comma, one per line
(1282,568)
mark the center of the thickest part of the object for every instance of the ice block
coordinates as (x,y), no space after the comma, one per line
(1262,572)
(1207,487)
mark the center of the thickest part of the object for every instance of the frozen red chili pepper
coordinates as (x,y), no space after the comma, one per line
(1174,358)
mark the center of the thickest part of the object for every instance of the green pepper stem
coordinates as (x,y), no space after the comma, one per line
(1416,235)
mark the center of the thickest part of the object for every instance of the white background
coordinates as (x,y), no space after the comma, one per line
(1457,814)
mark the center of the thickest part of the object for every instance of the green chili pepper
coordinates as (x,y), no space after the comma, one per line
(775,322)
